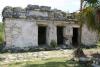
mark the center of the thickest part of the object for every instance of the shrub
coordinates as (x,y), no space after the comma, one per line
(1,33)
(98,44)
(53,44)
(1,38)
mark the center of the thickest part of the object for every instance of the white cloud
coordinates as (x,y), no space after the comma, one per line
(65,5)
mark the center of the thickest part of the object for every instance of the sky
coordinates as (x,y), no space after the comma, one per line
(64,5)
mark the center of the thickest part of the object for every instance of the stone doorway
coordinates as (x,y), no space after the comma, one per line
(75,37)
(41,35)
(60,39)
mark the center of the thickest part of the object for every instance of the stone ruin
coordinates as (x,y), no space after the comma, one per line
(36,26)
(34,11)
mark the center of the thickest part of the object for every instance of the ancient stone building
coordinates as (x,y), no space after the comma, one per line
(38,25)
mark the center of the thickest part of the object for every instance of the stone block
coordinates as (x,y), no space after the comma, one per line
(18,12)
(7,12)
(45,8)
(32,7)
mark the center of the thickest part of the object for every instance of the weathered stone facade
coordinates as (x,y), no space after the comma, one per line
(21,26)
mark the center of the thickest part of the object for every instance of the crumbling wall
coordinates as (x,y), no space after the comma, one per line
(34,11)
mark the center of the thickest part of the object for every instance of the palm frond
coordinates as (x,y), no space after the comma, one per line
(90,19)
(92,1)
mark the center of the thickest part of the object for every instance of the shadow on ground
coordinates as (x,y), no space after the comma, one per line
(68,63)
(46,63)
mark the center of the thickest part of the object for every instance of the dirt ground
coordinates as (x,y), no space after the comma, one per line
(28,56)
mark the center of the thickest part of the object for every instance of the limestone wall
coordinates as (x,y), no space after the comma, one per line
(89,37)
(21,33)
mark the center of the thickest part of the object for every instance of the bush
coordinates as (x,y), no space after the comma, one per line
(1,38)
(98,44)
(1,33)
(53,44)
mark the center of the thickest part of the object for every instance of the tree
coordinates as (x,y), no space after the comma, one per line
(88,12)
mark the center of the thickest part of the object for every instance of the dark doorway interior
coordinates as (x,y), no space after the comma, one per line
(59,35)
(75,37)
(41,35)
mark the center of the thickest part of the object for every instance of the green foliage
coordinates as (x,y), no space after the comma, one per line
(88,15)
(1,33)
(79,17)
(53,44)
(92,2)
(91,18)
(98,44)
(1,38)
(1,27)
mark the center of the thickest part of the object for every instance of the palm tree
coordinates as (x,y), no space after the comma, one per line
(80,29)
(88,12)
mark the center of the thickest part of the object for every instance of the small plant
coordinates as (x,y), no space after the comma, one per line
(98,44)
(1,38)
(53,44)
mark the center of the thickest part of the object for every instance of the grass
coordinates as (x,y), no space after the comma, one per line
(53,62)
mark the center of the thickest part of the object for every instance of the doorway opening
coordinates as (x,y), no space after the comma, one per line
(41,35)
(60,39)
(75,37)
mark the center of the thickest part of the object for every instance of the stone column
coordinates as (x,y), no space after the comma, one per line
(68,32)
(51,32)
(35,34)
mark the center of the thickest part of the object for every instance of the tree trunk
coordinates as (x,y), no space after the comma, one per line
(78,49)
(80,29)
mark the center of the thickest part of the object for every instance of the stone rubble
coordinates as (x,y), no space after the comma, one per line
(18,12)
(17,57)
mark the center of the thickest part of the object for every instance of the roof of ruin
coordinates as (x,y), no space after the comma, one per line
(34,11)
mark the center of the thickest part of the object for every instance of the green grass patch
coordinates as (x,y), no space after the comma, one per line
(53,62)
